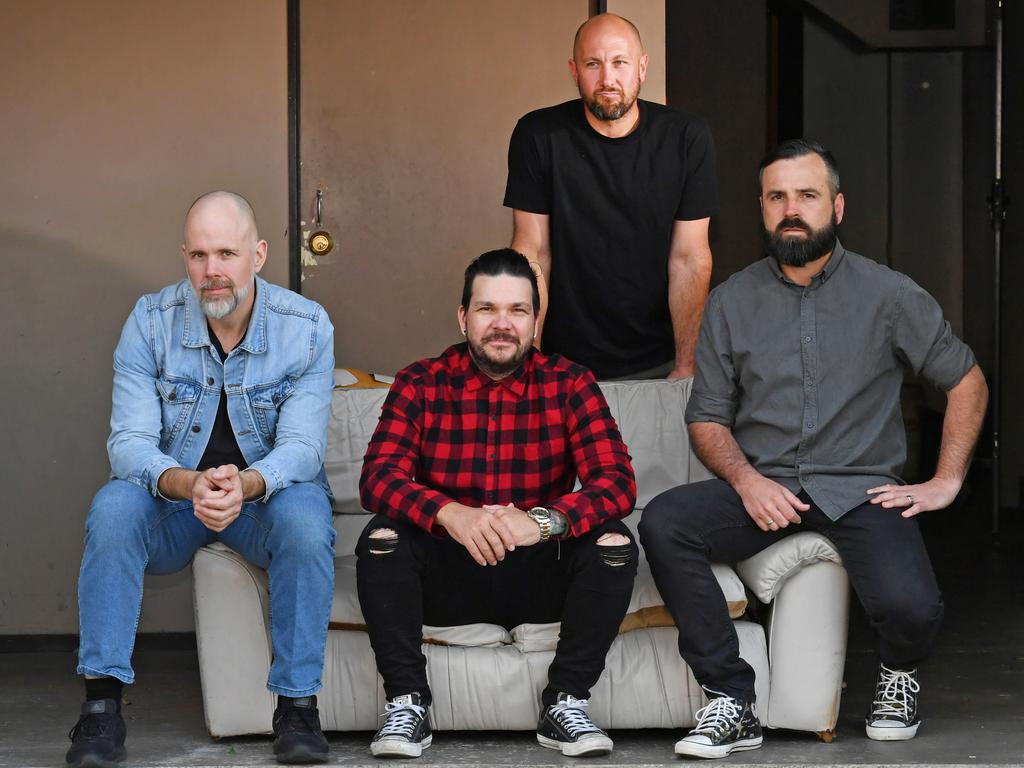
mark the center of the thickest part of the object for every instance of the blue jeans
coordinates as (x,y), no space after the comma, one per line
(130,532)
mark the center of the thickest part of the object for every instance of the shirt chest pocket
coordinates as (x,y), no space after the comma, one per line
(177,401)
(266,406)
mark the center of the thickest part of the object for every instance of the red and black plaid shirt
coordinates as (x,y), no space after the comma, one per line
(448,433)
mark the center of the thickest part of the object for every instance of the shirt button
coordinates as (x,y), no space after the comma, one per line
(491,456)
(195,427)
(810,425)
(807,339)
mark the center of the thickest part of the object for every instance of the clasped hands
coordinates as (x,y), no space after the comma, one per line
(490,531)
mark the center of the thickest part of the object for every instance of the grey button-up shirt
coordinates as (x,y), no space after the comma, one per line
(808,377)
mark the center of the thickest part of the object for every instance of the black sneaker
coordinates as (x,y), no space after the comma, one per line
(893,715)
(565,726)
(725,725)
(406,731)
(298,737)
(97,740)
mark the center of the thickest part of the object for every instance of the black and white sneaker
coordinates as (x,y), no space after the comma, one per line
(565,726)
(298,737)
(97,740)
(724,726)
(406,731)
(893,715)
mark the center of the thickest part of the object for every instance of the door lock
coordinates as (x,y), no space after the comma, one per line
(320,242)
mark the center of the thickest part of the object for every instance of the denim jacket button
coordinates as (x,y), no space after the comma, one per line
(173,395)
(209,380)
(195,427)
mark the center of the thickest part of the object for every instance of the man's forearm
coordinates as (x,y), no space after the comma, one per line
(177,483)
(965,411)
(720,453)
(688,281)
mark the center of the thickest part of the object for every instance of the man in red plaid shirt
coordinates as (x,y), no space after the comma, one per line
(471,473)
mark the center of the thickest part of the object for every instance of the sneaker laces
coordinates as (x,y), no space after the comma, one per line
(571,714)
(720,714)
(895,692)
(402,719)
(301,719)
(91,726)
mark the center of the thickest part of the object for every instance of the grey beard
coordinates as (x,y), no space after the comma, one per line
(796,252)
(218,309)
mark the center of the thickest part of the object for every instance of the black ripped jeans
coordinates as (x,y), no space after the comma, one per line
(423,579)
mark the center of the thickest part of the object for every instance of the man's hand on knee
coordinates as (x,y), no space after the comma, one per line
(217,496)
(770,505)
(937,493)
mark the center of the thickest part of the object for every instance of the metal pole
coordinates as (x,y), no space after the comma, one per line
(997,211)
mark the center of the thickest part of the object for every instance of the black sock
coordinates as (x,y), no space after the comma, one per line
(104,688)
(296,701)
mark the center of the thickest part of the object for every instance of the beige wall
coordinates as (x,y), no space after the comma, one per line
(649,18)
(113,117)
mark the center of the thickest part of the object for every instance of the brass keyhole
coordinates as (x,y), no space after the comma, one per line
(321,242)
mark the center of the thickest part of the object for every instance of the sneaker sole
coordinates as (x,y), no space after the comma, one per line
(584,748)
(301,757)
(691,749)
(387,748)
(891,733)
(95,761)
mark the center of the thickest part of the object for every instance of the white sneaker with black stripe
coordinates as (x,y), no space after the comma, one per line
(565,726)
(406,731)
(893,715)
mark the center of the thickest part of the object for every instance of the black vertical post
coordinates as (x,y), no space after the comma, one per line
(294,200)
(997,209)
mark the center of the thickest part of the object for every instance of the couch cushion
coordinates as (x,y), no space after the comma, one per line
(354,416)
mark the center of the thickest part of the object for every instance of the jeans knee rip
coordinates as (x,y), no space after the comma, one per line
(385,541)
(616,555)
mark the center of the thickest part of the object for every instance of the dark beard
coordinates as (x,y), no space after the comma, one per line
(613,112)
(497,369)
(797,252)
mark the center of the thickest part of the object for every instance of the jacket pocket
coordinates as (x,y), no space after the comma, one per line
(267,400)
(177,401)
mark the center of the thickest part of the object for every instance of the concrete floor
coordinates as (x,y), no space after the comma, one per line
(972,697)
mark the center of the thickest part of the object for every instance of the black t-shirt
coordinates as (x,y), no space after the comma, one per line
(223,446)
(612,204)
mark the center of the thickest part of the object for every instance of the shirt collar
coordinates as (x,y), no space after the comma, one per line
(476,379)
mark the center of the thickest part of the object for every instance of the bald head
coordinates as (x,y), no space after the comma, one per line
(222,203)
(605,23)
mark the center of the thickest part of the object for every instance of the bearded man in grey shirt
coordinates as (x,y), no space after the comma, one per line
(796,408)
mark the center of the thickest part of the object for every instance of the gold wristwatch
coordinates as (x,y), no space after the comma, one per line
(543,518)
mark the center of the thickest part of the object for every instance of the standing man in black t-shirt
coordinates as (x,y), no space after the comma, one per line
(611,199)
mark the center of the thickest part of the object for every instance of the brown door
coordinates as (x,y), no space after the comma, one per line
(406,110)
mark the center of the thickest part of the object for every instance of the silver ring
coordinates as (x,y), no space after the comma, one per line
(910,499)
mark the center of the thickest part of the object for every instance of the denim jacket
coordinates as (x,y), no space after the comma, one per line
(168,379)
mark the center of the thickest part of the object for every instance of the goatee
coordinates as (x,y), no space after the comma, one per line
(796,251)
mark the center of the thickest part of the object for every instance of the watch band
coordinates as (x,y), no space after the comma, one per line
(542,517)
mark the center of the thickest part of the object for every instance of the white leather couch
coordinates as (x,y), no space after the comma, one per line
(483,677)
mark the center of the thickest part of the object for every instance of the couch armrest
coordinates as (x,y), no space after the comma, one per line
(233,639)
(803,578)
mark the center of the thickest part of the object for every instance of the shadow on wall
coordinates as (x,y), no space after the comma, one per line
(62,308)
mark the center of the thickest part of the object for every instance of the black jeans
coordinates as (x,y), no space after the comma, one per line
(685,529)
(422,579)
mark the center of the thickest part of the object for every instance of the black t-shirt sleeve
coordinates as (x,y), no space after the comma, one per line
(700,193)
(528,187)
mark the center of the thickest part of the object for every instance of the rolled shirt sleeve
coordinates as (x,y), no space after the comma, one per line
(923,338)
